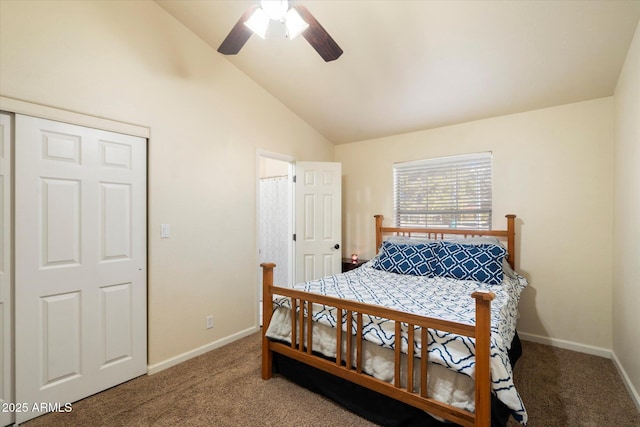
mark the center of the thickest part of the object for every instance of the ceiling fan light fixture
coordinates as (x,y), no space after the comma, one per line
(297,20)
(275,9)
(258,22)
(295,24)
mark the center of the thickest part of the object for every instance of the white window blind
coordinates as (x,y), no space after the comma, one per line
(447,192)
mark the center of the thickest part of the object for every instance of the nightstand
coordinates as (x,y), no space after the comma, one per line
(348,265)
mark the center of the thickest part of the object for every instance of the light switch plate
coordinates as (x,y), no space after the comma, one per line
(164,231)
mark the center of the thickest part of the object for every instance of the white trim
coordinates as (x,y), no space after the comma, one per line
(264,153)
(626,380)
(45,112)
(154,369)
(569,345)
(446,159)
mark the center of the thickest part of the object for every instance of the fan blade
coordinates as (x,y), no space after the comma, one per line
(238,35)
(318,37)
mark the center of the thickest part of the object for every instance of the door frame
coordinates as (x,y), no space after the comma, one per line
(17,106)
(260,154)
(7,334)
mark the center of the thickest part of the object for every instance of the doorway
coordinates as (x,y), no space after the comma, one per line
(275,217)
(311,211)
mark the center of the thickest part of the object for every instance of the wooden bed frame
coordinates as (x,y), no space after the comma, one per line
(303,350)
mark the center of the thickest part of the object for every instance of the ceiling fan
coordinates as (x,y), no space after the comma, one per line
(297,20)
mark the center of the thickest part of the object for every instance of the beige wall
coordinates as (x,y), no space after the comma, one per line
(626,218)
(551,167)
(131,61)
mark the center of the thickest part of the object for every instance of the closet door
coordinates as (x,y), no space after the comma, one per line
(6,326)
(80,262)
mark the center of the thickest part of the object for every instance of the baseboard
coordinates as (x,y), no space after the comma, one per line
(155,368)
(626,380)
(569,345)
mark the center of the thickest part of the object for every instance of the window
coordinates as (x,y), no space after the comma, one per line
(447,192)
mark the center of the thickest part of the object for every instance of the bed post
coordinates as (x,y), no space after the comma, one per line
(379,219)
(483,356)
(267,309)
(511,241)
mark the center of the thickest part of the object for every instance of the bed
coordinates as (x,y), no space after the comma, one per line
(453,289)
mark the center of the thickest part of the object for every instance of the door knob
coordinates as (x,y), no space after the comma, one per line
(337,246)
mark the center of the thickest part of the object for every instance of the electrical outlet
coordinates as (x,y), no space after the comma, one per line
(209,321)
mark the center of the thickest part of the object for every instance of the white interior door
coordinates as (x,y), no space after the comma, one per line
(6,325)
(318,205)
(80,261)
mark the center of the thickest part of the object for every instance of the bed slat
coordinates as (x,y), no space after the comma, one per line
(410,357)
(424,352)
(359,344)
(301,326)
(309,327)
(398,354)
(349,355)
(339,339)
(294,308)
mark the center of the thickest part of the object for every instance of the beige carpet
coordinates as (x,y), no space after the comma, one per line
(224,388)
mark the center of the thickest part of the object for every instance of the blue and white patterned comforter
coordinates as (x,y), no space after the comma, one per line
(440,297)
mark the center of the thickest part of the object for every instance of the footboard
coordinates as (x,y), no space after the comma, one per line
(417,326)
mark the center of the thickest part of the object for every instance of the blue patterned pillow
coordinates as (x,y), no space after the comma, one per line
(482,263)
(417,260)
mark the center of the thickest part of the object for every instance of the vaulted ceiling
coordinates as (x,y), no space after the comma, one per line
(414,65)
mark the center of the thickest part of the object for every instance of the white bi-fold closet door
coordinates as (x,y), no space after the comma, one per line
(80,262)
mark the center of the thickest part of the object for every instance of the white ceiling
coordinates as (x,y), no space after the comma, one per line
(414,65)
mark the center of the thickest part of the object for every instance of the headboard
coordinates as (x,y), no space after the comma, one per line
(440,233)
